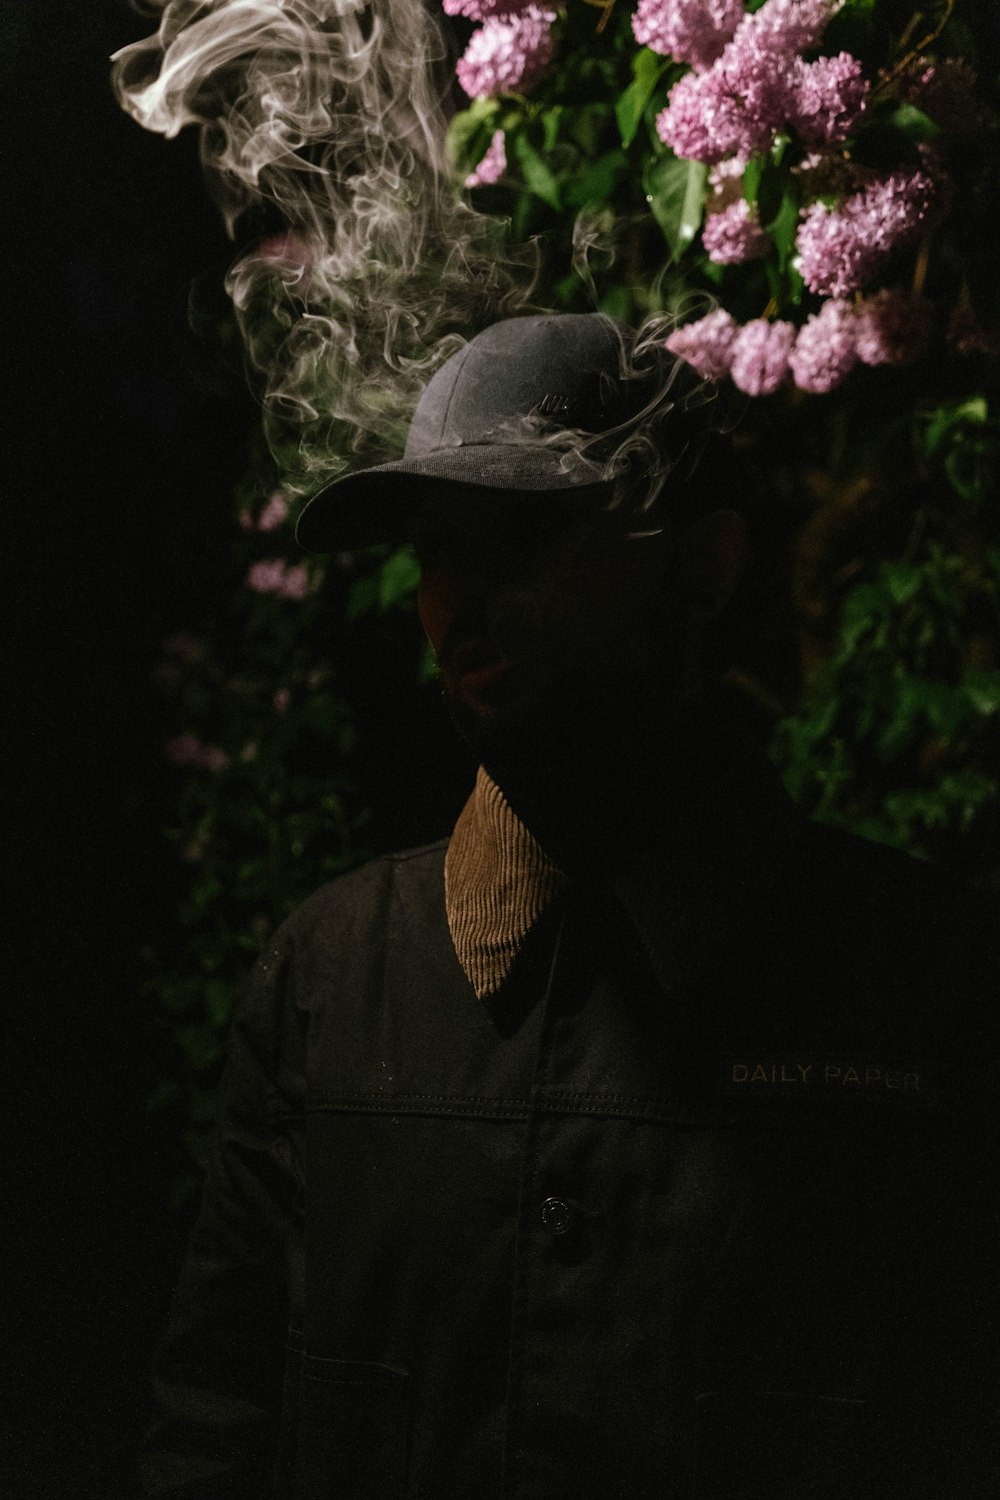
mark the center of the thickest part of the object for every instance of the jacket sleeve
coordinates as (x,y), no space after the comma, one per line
(217,1376)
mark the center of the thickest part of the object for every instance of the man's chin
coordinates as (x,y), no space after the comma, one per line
(489,731)
(575,729)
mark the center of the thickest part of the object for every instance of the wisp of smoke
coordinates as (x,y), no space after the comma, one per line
(330,117)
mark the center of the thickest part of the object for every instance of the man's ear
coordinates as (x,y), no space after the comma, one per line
(716,548)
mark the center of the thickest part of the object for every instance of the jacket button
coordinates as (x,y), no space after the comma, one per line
(557,1216)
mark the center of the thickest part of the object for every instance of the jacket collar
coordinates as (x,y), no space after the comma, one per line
(702,875)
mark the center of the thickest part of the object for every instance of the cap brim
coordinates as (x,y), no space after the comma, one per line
(378,504)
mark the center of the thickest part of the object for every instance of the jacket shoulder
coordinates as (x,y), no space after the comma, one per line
(348,915)
(368,886)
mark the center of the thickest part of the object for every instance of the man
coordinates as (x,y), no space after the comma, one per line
(629,1142)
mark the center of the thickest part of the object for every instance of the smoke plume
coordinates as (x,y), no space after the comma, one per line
(322,130)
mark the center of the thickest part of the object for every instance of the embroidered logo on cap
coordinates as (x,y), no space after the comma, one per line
(554,406)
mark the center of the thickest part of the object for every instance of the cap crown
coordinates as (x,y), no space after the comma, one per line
(558,370)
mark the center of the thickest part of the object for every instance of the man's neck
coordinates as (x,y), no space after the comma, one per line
(593,806)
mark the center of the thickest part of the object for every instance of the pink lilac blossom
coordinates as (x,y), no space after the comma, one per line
(760,356)
(691,31)
(483,10)
(831,95)
(891,327)
(790,26)
(726,179)
(188,750)
(507,54)
(493,164)
(945,91)
(703,121)
(749,92)
(734,235)
(285,580)
(269,518)
(841,249)
(825,350)
(835,256)
(760,74)
(706,344)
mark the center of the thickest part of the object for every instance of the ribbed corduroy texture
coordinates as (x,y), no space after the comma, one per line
(497,883)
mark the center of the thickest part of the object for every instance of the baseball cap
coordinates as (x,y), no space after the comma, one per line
(505,413)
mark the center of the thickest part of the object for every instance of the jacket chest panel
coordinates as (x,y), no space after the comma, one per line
(618,1204)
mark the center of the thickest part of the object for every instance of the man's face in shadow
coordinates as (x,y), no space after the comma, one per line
(559,627)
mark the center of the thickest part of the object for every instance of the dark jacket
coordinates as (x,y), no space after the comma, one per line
(702,1205)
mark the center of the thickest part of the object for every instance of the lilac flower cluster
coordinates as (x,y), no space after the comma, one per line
(284,580)
(830,97)
(508,53)
(493,164)
(759,84)
(825,349)
(734,234)
(889,328)
(485,10)
(269,518)
(692,31)
(706,345)
(189,750)
(841,249)
(759,363)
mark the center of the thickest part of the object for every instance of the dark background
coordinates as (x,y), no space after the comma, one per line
(121,449)
(125,434)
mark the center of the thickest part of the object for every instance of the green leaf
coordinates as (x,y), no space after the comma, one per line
(675,191)
(783,226)
(912,122)
(947,707)
(947,418)
(970,466)
(588,127)
(771,192)
(617,303)
(862,609)
(647,69)
(470,133)
(362,597)
(752,174)
(538,175)
(597,181)
(903,580)
(219,1001)
(983,691)
(551,123)
(398,578)
(427,667)
(794,285)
